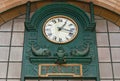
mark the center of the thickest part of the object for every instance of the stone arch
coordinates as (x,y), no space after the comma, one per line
(15,11)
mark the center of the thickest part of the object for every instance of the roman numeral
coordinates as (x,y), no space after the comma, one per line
(60,39)
(67,38)
(54,21)
(49,34)
(70,24)
(59,20)
(54,38)
(49,25)
(70,34)
(47,29)
(72,29)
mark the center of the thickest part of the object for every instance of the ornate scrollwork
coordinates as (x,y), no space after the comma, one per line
(41,51)
(77,52)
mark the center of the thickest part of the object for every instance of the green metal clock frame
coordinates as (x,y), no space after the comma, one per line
(39,53)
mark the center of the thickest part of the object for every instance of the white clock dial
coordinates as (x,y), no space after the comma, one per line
(60,29)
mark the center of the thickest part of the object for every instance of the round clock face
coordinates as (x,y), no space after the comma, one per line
(60,29)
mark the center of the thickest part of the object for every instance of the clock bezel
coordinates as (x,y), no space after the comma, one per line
(60,16)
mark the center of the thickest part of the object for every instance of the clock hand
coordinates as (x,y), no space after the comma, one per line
(64,24)
(65,29)
(60,28)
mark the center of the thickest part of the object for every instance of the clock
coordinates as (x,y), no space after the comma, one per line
(60,36)
(60,29)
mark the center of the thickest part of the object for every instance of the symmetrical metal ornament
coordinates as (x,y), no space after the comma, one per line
(60,43)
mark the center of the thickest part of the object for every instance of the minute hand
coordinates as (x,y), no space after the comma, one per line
(64,24)
(65,29)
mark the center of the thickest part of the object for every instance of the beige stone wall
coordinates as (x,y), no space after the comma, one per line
(108,4)
(8,12)
(8,4)
(113,5)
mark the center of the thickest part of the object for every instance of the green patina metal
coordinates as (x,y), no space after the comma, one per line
(38,50)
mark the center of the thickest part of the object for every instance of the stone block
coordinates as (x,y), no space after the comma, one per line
(109,15)
(1,21)
(118,22)
(10,14)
